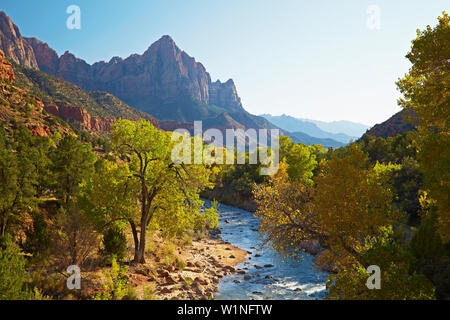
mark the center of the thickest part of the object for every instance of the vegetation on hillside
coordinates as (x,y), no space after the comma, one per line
(53,91)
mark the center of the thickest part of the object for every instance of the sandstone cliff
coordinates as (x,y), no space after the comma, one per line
(14,45)
(162,74)
(164,81)
(6,70)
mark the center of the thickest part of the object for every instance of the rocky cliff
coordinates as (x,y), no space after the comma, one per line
(79,116)
(14,45)
(164,81)
(164,73)
(6,70)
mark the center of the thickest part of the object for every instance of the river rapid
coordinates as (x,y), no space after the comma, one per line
(273,277)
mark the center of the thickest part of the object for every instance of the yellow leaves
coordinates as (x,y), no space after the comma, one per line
(352,202)
(426,92)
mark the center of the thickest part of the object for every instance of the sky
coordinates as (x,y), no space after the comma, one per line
(325,60)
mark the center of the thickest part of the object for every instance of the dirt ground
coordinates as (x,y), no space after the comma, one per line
(181,270)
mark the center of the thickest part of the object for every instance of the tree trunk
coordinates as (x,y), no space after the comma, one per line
(135,238)
(139,256)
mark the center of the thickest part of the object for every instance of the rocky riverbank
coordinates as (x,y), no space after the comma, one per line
(194,274)
(207,261)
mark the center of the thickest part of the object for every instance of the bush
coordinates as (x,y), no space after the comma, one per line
(149,292)
(74,239)
(116,285)
(13,284)
(37,241)
(115,243)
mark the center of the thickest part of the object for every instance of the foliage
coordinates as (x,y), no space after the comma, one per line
(168,192)
(72,161)
(398,281)
(37,237)
(426,93)
(285,212)
(13,284)
(74,238)
(300,159)
(352,202)
(149,292)
(17,177)
(115,243)
(108,197)
(431,255)
(115,287)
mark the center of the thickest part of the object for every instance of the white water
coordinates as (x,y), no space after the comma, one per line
(287,279)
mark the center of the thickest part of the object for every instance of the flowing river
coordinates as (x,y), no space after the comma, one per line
(281,279)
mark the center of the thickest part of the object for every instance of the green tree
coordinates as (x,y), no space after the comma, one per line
(301,160)
(168,192)
(72,162)
(398,279)
(13,280)
(17,178)
(426,93)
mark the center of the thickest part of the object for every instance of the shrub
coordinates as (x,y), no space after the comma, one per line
(74,239)
(115,243)
(13,285)
(149,292)
(37,241)
(116,286)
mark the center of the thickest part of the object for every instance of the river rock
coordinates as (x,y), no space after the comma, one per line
(166,290)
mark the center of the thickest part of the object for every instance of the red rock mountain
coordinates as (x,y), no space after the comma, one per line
(14,45)
(163,73)
(164,81)
(6,70)
(397,124)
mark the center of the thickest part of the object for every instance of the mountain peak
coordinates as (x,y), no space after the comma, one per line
(166,38)
(14,45)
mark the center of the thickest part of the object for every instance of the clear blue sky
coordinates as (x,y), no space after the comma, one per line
(311,59)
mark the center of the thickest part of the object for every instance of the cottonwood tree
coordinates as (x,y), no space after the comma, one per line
(426,92)
(168,193)
(349,204)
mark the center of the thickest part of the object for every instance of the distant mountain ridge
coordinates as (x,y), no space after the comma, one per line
(308,127)
(349,128)
(301,137)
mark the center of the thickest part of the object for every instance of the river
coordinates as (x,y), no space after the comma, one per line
(286,279)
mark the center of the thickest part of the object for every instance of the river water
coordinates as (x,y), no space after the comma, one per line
(287,279)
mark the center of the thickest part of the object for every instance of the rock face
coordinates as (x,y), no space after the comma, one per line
(81,116)
(6,70)
(164,81)
(14,46)
(46,57)
(162,74)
